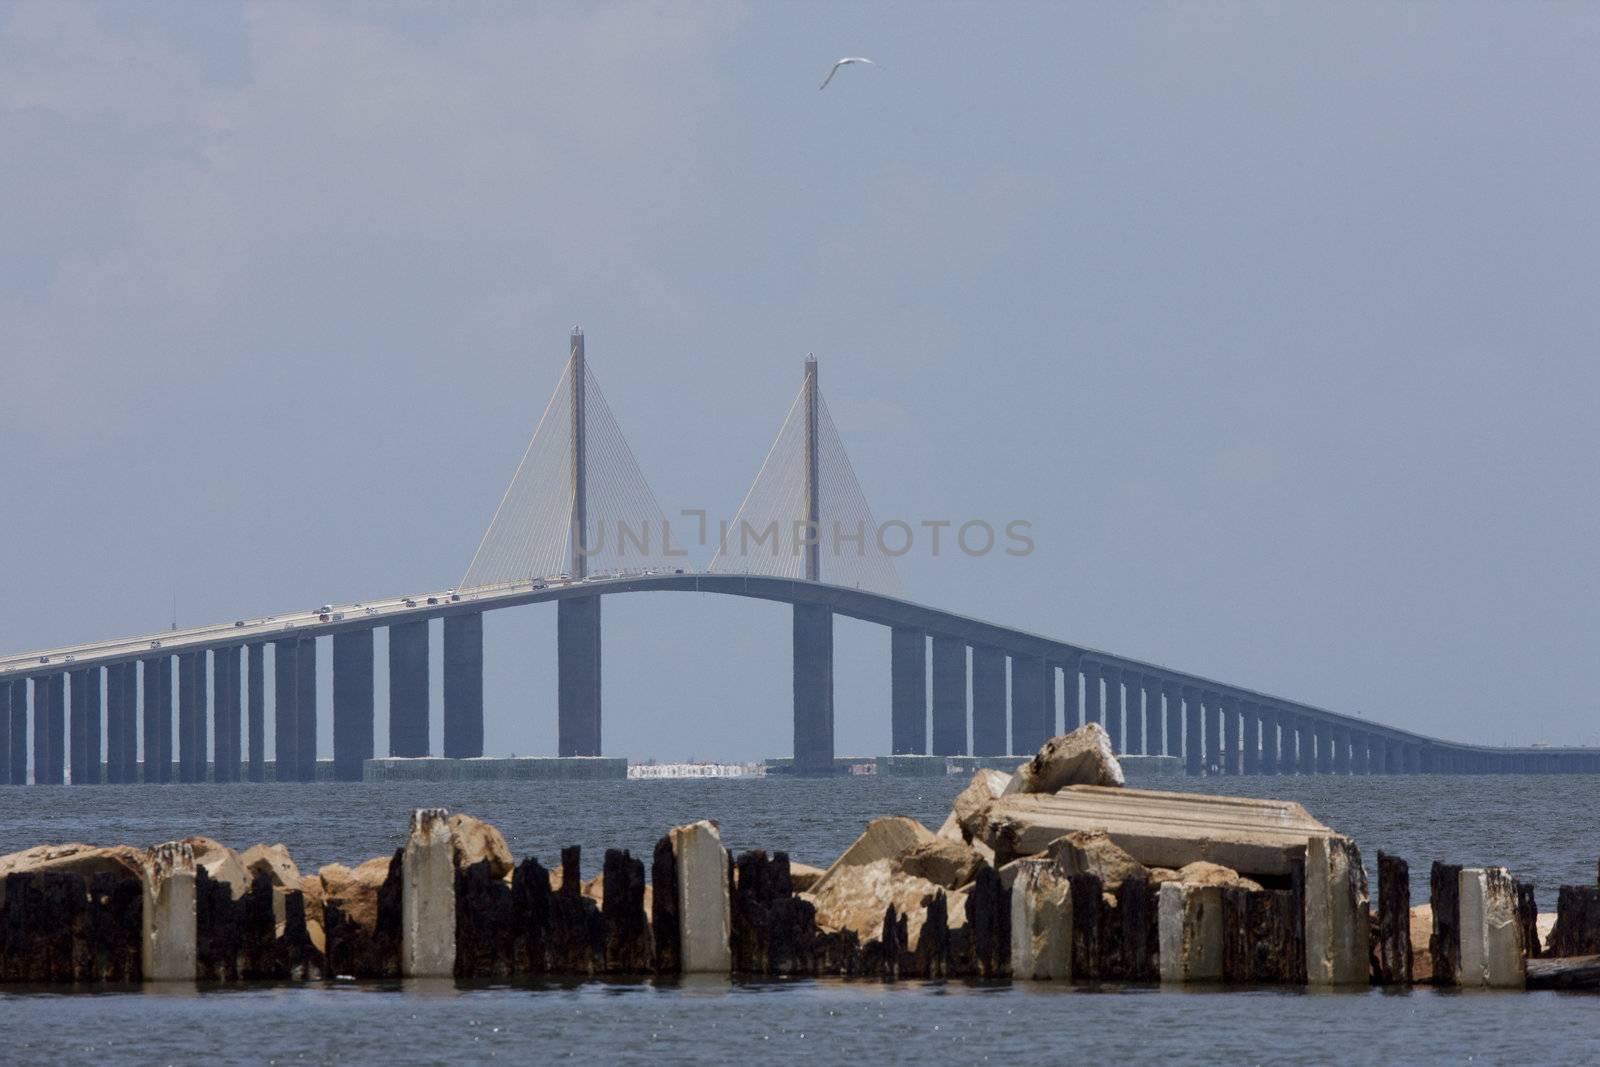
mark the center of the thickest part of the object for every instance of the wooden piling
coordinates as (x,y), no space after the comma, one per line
(664,923)
(628,944)
(1577,929)
(484,915)
(530,919)
(1393,957)
(1444,892)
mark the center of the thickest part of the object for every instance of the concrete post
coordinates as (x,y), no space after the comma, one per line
(170,940)
(1337,922)
(408,685)
(1193,750)
(908,691)
(1133,708)
(428,897)
(19,732)
(1112,719)
(578,675)
(114,727)
(704,907)
(256,686)
(1189,932)
(1041,923)
(353,703)
(949,696)
(1173,694)
(813,690)
(463,686)
(1033,704)
(305,706)
(1493,954)
(285,709)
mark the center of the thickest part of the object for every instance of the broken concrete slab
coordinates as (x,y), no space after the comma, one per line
(1189,921)
(1337,915)
(1082,757)
(946,863)
(704,904)
(986,786)
(1493,955)
(887,838)
(1093,852)
(170,936)
(428,897)
(1041,922)
(1159,829)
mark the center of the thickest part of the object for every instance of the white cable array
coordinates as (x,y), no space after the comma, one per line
(765,536)
(530,536)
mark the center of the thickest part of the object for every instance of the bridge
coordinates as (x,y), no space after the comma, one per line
(579,523)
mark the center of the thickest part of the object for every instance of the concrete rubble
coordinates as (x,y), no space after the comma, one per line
(1054,873)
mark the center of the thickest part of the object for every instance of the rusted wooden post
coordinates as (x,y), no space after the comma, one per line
(1394,921)
(628,946)
(530,918)
(1444,892)
(664,922)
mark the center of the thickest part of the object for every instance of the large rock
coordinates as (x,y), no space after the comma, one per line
(1082,757)
(887,838)
(855,898)
(354,891)
(1421,935)
(275,862)
(1253,837)
(221,864)
(803,876)
(1202,873)
(972,802)
(1093,852)
(476,841)
(943,862)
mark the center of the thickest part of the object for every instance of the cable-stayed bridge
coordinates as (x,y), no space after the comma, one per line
(579,522)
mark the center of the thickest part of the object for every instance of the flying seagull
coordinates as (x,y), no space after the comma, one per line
(842,62)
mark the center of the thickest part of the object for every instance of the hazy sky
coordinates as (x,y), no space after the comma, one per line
(1279,322)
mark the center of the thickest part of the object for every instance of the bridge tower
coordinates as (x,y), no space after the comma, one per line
(813,623)
(578,618)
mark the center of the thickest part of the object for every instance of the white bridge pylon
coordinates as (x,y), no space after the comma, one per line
(805,516)
(578,503)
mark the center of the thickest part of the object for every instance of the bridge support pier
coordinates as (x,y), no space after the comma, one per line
(157,683)
(1173,694)
(908,691)
(19,732)
(1211,710)
(1305,746)
(408,687)
(285,709)
(187,670)
(1155,722)
(578,675)
(813,690)
(85,727)
(305,706)
(353,703)
(256,709)
(1232,735)
(1269,739)
(1112,677)
(225,700)
(1250,719)
(49,728)
(949,697)
(1193,750)
(1133,709)
(463,686)
(114,721)
(1341,749)
(1075,703)
(1358,752)
(1033,704)
(989,702)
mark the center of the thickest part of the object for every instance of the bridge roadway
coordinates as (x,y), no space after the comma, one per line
(1215,727)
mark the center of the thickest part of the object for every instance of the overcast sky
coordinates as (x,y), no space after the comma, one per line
(1279,323)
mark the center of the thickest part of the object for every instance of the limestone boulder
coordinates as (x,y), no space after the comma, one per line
(802,876)
(275,862)
(972,802)
(856,897)
(1082,757)
(355,889)
(887,838)
(1421,934)
(221,864)
(1201,872)
(1093,852)
(943,862)
(476,841)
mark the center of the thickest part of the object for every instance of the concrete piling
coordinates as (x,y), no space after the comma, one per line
(1190,925)
(428,897)
(169,914)
(704,916)
(1493,955)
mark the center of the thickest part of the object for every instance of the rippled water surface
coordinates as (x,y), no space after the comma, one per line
(1544,828)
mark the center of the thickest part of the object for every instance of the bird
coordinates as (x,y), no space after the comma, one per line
(843,62)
